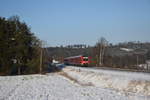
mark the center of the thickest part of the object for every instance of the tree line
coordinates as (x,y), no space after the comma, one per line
(127,55)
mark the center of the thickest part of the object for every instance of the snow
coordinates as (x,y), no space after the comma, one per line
(126,49)
(54,86)
(125,82)
(55,61)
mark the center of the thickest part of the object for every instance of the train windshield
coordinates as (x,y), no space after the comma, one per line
(85,58)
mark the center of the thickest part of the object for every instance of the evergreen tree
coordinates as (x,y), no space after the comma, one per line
(18,47)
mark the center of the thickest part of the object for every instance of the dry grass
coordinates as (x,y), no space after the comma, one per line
(74,80)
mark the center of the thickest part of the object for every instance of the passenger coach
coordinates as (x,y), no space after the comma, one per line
(77,60)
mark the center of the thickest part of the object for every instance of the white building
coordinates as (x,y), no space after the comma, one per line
(148,64)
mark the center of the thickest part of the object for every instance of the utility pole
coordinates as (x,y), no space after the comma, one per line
(137,60)
(41,60)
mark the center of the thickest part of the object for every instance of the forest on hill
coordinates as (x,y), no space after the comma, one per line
(122,55)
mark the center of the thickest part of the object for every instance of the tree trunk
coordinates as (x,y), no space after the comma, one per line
(19,69)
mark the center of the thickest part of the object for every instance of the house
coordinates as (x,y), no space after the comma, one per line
(148,64)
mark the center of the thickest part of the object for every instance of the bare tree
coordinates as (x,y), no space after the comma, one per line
(101,45)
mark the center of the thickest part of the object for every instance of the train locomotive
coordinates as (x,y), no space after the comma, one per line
(77,60)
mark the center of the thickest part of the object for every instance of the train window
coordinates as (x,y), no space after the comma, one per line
(85,59)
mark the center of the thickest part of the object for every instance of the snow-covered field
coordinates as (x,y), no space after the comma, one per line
(89,85)
(129,83)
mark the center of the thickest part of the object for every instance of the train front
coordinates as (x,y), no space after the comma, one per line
(85,61)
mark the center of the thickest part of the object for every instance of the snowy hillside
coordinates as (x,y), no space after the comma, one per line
(89,85)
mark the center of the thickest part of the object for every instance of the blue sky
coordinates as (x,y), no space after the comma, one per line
(63,22)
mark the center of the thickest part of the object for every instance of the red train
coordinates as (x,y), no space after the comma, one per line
(77,60)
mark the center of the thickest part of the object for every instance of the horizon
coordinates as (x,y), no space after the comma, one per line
(87,45)
(83,22)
